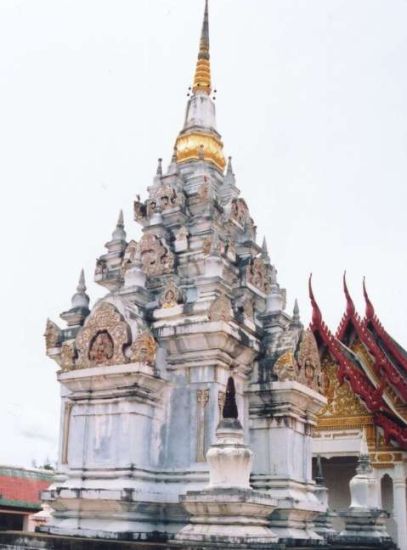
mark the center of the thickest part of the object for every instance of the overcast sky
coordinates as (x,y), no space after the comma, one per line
(311,105)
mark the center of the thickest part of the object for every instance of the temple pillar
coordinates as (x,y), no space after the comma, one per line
(400,510)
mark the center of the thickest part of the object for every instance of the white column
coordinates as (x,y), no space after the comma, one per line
(400,510)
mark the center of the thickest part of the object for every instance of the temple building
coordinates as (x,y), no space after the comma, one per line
(365,384)
(192,402)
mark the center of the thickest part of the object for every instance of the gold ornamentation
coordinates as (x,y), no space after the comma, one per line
(258,275)
(105,320)
(53,335)
(195,145)
(156,257)
(221,309)
(171,295)
(342,402)
(144,349)
(285,368)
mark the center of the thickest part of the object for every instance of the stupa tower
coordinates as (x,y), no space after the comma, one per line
(143,374)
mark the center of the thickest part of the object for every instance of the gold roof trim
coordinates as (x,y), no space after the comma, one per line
(200,146)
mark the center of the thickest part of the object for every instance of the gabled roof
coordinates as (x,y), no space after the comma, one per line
(369,389)
(21,488)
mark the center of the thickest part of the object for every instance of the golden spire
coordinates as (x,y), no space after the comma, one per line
(202,79)
(199,140)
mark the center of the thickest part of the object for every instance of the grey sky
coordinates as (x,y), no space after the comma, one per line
(311,105)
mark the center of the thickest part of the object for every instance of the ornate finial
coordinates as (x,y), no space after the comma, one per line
(369,312)
(350,306)
(230,407)
(364,465)
(119,233)
(319,477)
(316,312)
(229,170)
(160,167)
(202,79)
(80,298)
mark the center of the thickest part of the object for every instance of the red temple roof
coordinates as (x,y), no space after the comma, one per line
(353,371)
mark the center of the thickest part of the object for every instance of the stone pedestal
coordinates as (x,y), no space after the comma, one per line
(364,526)
(282,415)
(228,511)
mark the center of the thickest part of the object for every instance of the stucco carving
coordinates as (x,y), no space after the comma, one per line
(68,355)
(105,326)
(258,275)
(285,368)
(221,309)
(144,349)
(156,257)
(239,212)
(309,363)
(129,257)
(53,335)
(166,197)
(171,295)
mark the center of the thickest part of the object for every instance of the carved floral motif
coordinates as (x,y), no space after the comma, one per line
(156,257)
(104,328)
(144,349)
(258,275)
(221,309)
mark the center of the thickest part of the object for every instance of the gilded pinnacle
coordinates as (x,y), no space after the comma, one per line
(202,79)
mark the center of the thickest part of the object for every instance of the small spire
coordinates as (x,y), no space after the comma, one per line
(319,477)
(119,233)
(296,313)
(80,298)
(159,171)
(81,283)
(369,312)
(229,170)
(230,407)
(364,466)
(265,252)
(202,79)
(350,306)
